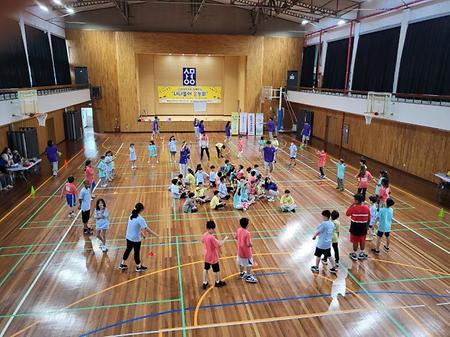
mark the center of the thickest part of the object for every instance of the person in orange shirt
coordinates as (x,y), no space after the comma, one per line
(363,176)
(211,247)
(244,252)
(70,191)
(89,172)
(322,159)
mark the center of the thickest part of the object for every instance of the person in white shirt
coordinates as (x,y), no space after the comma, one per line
(204,145)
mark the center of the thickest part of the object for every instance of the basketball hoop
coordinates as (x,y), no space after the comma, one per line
(41,117)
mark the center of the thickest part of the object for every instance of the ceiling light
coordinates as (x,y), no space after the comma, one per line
(70,10)
(304,22)
(42,7)
(341,22)
(182,54)
(58,2)
(209,54)
(170,54)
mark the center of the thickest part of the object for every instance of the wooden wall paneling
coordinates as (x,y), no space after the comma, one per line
(241,82)
(230,84)
(254,74)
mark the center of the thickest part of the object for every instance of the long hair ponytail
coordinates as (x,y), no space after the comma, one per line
(138,208)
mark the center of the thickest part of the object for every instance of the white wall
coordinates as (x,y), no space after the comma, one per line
(10,110)
(419,114)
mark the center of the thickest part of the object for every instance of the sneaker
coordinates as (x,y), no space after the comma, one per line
(220,284)
(104,249)
(362,256)
(242,274)
(141,268)
(375,251)
(293,211)
(314,269)
(333,270)
(123,266)
(338,188)
(205,285)
(386,248)
(353,256)
(251,279)
(325,262)
(87,231)
(369,238)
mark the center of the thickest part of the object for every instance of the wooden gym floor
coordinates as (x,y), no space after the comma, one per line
(56,282)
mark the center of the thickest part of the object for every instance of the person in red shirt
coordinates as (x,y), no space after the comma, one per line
(385,192)
(244,252)
(70,191)
(322,159)
(89,172)
(360,217)
(211,248)
(363,176)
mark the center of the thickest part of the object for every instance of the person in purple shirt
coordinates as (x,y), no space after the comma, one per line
(269,156)
(227,132)
(201,127)
(196,123)
(185,155)
(52,155)
(306,133)
(271,189)
(271,127)
(155,127)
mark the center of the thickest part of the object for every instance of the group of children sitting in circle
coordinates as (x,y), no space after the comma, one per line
(242,186)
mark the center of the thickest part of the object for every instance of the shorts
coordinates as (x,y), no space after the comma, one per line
(85,215)
(71,200)
(361,239)
(293,157)
(325,252)
(386,234)
(268,165)
(173,153)
(245,261)
(305,137)
(215,266)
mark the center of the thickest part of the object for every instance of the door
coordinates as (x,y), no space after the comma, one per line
(50,126)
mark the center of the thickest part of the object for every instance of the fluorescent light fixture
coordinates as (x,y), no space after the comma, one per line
(341,22)
(42,7)
(58,2)
(70,10)
(304,22)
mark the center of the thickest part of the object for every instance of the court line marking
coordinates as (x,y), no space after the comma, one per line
(180,284)
(40,273)
(446,303)
(37,189)
(399,222)
(11,271)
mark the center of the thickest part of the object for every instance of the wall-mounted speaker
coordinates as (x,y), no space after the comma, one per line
(81,75)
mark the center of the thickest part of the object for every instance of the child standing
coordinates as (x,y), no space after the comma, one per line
(152,153)
(335,239)
(70,191)
(293,154)
(363,176)
(133,157)
(360,216)
(240,146)
(211,248)
(383,175)
(172,149)
(215,202)
(89,173)
(325,233)
(85,207)
(321,163)
(340,174)
(385,193)
(102,171)
(261,144)
(108,164)
(244,252)
(373,216)
(189,204)
(385,216)
(287,203)
(185,155)
(101,216)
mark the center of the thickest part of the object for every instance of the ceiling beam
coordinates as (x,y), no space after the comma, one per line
(197,13)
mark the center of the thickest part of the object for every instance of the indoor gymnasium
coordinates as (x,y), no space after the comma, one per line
(227,168)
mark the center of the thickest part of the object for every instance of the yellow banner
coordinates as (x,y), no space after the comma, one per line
(174,94)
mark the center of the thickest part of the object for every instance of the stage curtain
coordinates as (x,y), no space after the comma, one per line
(61,60)
(13,62)
(425,66)
(307,75)
(335,64)
(375,61)
(40,57)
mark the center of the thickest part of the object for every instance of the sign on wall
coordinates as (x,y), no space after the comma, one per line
(185,94)
(243,123)
(251,124)
(235,123)
(259,124)
(189,76)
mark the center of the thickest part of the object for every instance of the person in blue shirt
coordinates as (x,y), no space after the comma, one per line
(155,127)
(135,232)
(373,216)
(340,174)
(384,218)
(223,190)
(185,155)
(85,207)
(269,156)
(325,233)
(108,165)
(172,149)
(306,133)
(271,127)
(227,132)
(200,176)
(101,216)
(196,124)
(293,154)
(152,153)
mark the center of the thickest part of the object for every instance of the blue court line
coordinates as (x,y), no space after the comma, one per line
(272,300)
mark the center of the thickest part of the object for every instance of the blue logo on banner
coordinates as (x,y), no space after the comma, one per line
(189,76)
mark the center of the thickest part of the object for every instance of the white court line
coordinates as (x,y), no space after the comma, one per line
(397,221)
(41,272)
(446,303)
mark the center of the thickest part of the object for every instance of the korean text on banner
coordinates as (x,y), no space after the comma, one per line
(251,124)
(259,124)
(243,123)
(235,123)
(175,94)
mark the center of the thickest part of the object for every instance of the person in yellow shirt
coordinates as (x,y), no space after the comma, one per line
(200,194)
(215,202)
(190,179)
(287,203)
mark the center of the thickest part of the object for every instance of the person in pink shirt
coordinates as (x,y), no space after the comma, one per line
(89,173)
(70,191)
(322,159)
(363,176)
(385,193)
(240,146)
(244,252)
(211,247)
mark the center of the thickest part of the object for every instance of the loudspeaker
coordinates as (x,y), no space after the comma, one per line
(96,92)
(292,79)
(81,75)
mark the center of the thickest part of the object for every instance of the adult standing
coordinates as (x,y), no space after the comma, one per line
(204,145)
(185,154)
(306,133)
(196,123)
(227,132)
(201,128)
(269,156)
(135,229)
(155,127)
(360,216)
(52,155)
(271,127)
